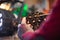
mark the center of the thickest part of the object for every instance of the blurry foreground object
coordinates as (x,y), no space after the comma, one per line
(8,23)
(24,11)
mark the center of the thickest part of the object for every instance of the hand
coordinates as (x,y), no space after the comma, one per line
(23,28)
(26,26)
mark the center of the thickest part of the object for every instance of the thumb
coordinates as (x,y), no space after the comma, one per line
(23,20)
